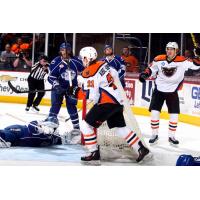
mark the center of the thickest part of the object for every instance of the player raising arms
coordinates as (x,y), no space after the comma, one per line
(98,86)
(169,70)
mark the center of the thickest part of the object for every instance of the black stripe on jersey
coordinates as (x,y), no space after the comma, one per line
(131,138)
(38,72)
(172,126)
(154,124)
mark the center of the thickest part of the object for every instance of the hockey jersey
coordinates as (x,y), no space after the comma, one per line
(59,71)
(170,74)
(30,136)
(118,64)
(98,84)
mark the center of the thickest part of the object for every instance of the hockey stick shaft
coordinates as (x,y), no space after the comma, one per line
(27,91)
(193,39)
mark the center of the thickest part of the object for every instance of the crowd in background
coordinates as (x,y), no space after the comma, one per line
(16,53)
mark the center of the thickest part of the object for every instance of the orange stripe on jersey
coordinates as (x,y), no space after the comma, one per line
(92,69)
(134,141)
(154,120)
(128,135)
(105,98)
(90,135)
(173,122)
(179,59)
(160,58)
(90,143)
(81,94)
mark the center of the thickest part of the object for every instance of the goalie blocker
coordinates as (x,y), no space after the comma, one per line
(98,86)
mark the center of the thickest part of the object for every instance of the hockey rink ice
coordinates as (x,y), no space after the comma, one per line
(163,153)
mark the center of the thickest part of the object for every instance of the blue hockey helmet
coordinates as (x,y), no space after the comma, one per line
(66,45)
(108,46)
(185,160)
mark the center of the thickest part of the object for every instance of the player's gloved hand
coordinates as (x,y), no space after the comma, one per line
(57,88)
(145,75)
(72,91)
(197,52)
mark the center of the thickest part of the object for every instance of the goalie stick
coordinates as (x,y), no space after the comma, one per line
(14,89)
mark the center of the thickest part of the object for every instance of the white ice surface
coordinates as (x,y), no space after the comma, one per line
(163,153)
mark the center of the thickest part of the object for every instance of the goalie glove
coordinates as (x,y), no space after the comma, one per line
(145,75)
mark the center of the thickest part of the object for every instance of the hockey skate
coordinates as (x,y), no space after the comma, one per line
(35,109)
(144,153)
(92,159)
(153,140)
(173,141)
(27,109)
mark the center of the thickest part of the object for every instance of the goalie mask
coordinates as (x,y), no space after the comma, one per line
(169,71)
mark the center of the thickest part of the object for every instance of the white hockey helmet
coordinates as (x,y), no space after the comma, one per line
(173,45)
(88,52)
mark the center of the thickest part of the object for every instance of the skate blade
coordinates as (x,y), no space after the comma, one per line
(148,157)
(173,145)
(91,163)
(152,144)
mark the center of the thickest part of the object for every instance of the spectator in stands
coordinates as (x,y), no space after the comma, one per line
(22,62)
(7,57)
(20,46)
(130,60)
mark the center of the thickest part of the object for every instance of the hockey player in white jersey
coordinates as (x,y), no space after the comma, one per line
(98,86)
(168,71)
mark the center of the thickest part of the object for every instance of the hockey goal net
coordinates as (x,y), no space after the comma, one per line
(113,147)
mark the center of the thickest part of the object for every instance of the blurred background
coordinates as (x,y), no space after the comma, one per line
(142,46)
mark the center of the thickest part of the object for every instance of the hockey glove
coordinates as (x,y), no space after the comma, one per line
(145,75)
(57,88)
(73,91)
(197,52)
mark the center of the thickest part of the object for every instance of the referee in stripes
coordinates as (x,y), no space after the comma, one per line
(36,82)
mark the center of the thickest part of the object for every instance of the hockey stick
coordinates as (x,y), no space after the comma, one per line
(14,89)
(193,40)
(67,63)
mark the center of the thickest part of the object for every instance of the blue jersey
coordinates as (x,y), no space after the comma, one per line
(30,136)
(59,71)
(117,63)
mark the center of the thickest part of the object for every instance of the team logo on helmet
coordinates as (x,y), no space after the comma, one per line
(169,71)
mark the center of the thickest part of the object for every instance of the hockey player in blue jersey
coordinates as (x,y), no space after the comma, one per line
(115,61)
(63,74)
(35,134)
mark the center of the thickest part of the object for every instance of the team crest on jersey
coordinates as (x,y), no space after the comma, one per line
(68,74)
(61,65)
(169,71)
(53,62)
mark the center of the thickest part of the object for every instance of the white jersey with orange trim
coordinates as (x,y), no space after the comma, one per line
(97,84)
(170,74)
